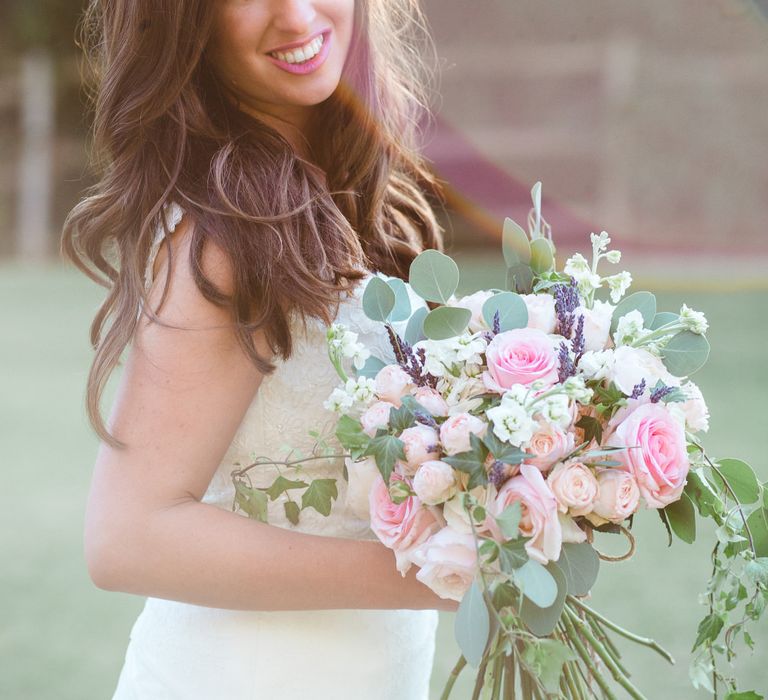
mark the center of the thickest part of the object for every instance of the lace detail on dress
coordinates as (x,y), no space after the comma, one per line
(288,404)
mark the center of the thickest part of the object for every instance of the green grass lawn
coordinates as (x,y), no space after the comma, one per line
(63,639)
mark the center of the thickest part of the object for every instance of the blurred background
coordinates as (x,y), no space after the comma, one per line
(646,119)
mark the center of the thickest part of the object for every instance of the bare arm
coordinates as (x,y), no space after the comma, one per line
(181,399)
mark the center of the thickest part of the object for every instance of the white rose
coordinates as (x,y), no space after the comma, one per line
(633,365)
(597,324)
(454,433)
(361,478)
(695,409)
(392,383)
(474,302)
(541,311)
(376,416)
(596,364)
(434,482)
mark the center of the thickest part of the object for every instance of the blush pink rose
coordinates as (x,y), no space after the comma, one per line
(619,495)
(448,563)
(392,383)
(421,444)
(431,400)
(520,356)
(539,519)
(376,416)
(541,311)
(656,454)
(549,444)
(454,433)
(575,487)
(401,527)
(435,482)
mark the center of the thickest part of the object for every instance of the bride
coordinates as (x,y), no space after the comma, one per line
(258,162)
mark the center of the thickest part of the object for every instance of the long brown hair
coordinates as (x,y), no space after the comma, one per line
(164,131)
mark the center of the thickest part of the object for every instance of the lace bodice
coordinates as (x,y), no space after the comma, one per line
(288,404)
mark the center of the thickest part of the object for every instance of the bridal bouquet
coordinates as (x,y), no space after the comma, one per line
(516,425)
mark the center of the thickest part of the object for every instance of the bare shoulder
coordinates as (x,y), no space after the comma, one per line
(185,387)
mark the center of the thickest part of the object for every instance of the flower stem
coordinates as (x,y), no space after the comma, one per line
(643,641)
(457,669)
(509,677)
(581,650)
(480,680)
(497,674)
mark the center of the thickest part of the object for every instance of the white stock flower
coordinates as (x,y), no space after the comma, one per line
(600,242)
(577,265)
(362,390)
(618,284)
(596,364)
(613,256)
(557,409)
(512,423)
(345,342)
(575,389)
(516,394)
(694,321)
(339,401)
(629,328)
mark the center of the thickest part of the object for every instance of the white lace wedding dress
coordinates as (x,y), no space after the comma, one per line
(179,651)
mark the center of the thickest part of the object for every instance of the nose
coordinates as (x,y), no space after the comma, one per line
(294,16)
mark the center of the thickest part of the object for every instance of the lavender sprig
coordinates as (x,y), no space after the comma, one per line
(566,302)
(638,390)
(578,342)
(660,392)
(566,367)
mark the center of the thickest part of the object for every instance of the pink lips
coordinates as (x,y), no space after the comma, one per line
(308,66)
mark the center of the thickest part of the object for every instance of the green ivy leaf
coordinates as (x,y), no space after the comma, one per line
(644,302)
(253,502)
(703,495)
(513,313)
(580,566)
(709,629)
(503,451)
(434,276)
(378,299)
(349,433)
(471,462)
(319,495)
(741,478)
(386,450)
(505,595)
(472,625)
(748,695)
(545,658)
(681,516)
(402,309)
(593,428)
(512,556)
(446,322)
(509,521)
(292,511)
(281,485)
(401,418)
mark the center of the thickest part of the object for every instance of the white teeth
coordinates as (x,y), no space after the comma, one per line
(301,54)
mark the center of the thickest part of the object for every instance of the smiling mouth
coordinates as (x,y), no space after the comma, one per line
(300,54)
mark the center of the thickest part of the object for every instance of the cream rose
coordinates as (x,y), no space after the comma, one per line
(454,433)
(574,486)
(434,482)
(392,383)
(474,302)
(633,365)
(541,311)
(431,400)
(448,563)
(618,497)
(421,443)
(597,324)
(376,416)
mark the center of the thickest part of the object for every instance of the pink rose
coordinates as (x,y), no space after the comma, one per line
(401,527)
(541,311)
(392,383)
(520,356)
(448,562)
(619,495)
(656,454)
(431,400)
(421,443)
(376,416)
(454,433)
(539,519)
(574,486)
(549,444)
(474,302)
(434,482)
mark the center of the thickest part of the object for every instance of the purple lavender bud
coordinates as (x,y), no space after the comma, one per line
(579,341)
(566,302)
(659,393)
(566,366)
(498,474)
(496,323)
(637,392)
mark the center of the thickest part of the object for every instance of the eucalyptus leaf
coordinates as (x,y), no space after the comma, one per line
(685,353)
(644,302)
(402,308)
(663,318)
(371,367)
(472,625)
(446,322)
(414,331)
(434,276)
(758,526)
(542,621)
(515,244)
(536,583)
(378,299)
(520,278)
(542,256)
(512,556)
(580,566)
(741,478)
(513,313)
(681,517)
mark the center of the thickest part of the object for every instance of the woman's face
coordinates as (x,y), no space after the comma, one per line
(281,57)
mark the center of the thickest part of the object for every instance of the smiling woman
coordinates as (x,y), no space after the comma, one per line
(258,159)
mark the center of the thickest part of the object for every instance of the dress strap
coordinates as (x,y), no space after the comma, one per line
(172,214)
